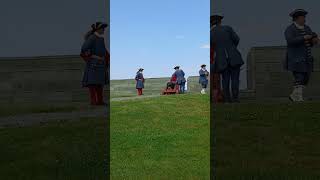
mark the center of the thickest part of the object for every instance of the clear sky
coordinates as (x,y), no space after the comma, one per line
(157,35)
(47,27)
(262,23)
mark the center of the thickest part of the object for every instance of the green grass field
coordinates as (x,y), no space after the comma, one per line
(161,138)
(57,151)
(21,109)
(167,137)
(266,142)
(158,138)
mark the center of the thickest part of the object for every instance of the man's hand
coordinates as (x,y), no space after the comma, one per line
(315,40)
(307,37)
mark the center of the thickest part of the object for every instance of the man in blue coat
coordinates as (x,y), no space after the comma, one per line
(181,81)
(95,54)
(140,81)
(299,60)
(203,78)
(227,58)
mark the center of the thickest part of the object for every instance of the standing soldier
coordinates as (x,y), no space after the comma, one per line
(181,81)
(227,58)
(95,54)
(216,93)
(300,39)
(203,79)
(139,81)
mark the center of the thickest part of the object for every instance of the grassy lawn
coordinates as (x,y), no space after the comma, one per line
(54,151)
(160,138)
(154,138)
(20,109)
(270,141)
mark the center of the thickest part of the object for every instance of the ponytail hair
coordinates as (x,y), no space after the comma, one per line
(89,33)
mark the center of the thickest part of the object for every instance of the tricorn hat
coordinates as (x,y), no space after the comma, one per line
(298,12)
(140,69)
(203,65)
(176,67)
(99,25)
(214,19)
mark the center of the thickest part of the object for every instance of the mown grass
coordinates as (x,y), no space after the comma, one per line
(160,138)
(267,141)
(57,151)
(155,138)
(21,109)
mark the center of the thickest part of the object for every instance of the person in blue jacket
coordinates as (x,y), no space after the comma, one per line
(140,81)
(203,78)
(299,60)
(181,81)
(95,54)
(227,58)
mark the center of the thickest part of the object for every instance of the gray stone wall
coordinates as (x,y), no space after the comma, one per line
(42,79)
(193,84)
(267,77)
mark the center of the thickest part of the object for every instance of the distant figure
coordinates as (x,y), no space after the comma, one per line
(227,59)
(181,81)
(139,81)
(203,79)
(96,56)
(299,60)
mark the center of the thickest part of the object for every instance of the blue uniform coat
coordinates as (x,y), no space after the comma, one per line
(203,79)
(139,81)
(225,42)
(180,76)
(95,72)
(296,57)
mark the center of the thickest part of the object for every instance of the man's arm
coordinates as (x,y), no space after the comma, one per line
(292,39)
(234,36)
(86,48)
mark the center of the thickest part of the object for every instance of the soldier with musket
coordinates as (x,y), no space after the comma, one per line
(96,57)
(299,60)
(227,58)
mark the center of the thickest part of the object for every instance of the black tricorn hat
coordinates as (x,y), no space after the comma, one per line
(176,67)
(214,19)
(99,25)
(298,12)
(140,69)
(203,65)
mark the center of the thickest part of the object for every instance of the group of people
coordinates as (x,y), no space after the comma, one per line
(97,60)
(177,79)
(226,59)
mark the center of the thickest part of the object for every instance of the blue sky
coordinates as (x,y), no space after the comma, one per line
(157,35)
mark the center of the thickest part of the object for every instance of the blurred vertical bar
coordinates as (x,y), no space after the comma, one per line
(211,101)
(108,92)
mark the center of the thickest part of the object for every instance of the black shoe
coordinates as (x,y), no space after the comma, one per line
(235,101)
